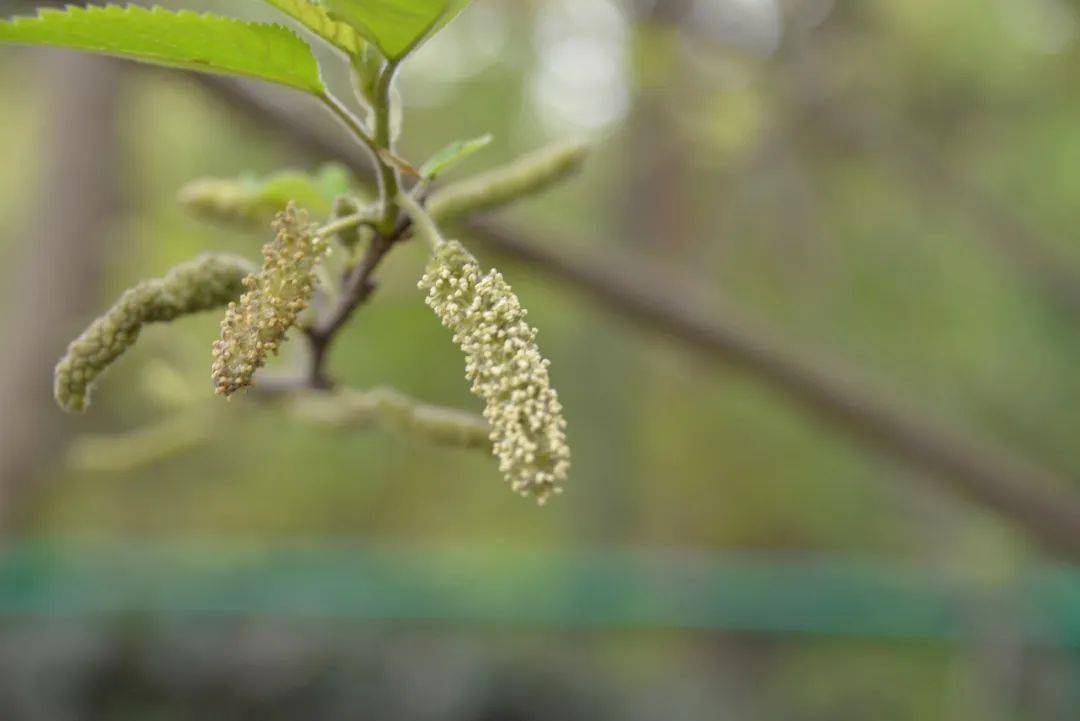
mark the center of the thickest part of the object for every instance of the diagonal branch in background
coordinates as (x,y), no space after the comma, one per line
(1045,506)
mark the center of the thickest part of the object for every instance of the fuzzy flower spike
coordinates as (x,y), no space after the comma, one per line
(528,431)
(205,283)
(255,327)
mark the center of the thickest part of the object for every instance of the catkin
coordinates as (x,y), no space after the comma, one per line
(255,326)
(501,186)
(506,369)
(208,282)
(253,201)
(397,412)
(224,199)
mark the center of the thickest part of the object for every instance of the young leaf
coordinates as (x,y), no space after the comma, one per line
(314,18)
(207,43)
(397,27)
(501,186)
(451,155)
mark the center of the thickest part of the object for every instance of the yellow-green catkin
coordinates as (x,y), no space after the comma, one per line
(141,447)
(224,199)
(206,283)
(397,412)
(528,175)
(528,431)
(255,326)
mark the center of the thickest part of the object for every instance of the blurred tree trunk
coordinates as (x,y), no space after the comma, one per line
(59,260)
(652,208)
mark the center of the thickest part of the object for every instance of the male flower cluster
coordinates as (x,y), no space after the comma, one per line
(208,282)
(255,327)
(505,367)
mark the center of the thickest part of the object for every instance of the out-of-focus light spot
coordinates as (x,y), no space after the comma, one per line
(465,48)
(752,25)
(582,85)
(581,82)
(602,20)
(1044,26)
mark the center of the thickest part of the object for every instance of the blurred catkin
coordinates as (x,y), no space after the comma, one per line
(223,199)
(255,326)
(506,369)
(397,412)
(528,175)
(206,283)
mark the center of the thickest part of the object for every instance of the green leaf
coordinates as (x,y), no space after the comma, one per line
(207,43)
(453,154)
(315,18)
(397,27)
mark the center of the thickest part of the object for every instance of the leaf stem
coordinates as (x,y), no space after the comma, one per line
(350,121)
(389,182)
(388,227)
(379,139)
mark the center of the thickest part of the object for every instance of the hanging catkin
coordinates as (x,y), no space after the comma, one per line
(206,283)
(506,369)
(255,326)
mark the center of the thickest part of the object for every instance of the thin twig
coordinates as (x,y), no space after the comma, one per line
(358,288)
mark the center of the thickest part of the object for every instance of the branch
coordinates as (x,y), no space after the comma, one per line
(359,285)
(1033,499)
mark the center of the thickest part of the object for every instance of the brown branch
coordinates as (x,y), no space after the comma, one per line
(358,288)
(1044,505)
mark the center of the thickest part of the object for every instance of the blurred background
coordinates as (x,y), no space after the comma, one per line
(889,186)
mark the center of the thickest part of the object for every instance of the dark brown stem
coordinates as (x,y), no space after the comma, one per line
(359,286)
(318,377)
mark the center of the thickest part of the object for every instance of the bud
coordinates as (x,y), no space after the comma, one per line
(255,327)
(203,284)
(505,367)
(395,411)
(444,426)
(344,206)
